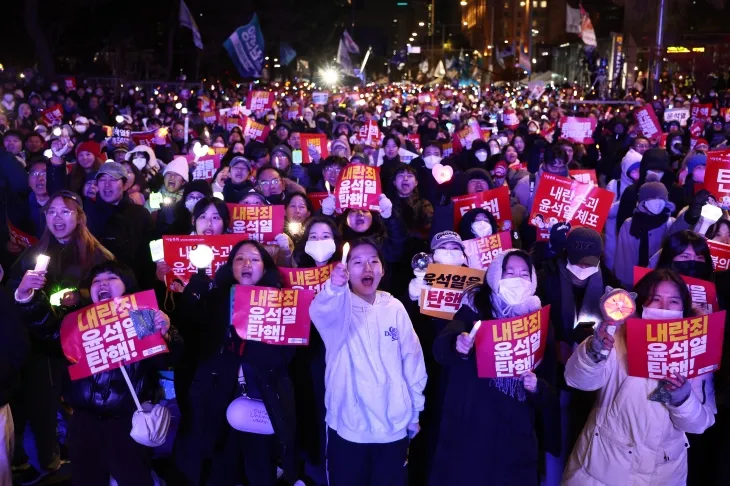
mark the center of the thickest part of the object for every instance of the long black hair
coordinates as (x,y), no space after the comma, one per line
(677,243)
(377,230)
(203,205)
(470,217)
(271,278)
(301,258)
(124,272)
(646,286)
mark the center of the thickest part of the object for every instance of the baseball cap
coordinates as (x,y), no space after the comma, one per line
(114,169)
(440,239)
(584,245)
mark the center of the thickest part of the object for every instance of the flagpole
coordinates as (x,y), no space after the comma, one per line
(659,48)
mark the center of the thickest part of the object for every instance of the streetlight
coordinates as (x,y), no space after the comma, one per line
(410,39)
(421,24)
(463,3)
(414,34)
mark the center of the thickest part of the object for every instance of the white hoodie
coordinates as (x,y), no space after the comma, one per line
(375,372)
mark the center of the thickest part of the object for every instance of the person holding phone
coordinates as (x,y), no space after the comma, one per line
(636,433)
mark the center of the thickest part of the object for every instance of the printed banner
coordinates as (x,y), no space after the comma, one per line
(703,293)
(254,130)
(316,141)
(144,138)
(717,176)
(584,175)
(577,130)
(53,116)
(648,122)
(19,237)
(260,100)
(481,251)
(177,249)
(701,111)
(690,347)
(507,348)
(448,283)
(205,167)
(261,223)
(271,316)
(720,253)
(560,199)
(246,48)
(496,201)
(110,334)
(306,278)
(677,114)
(466,136)
(358,187)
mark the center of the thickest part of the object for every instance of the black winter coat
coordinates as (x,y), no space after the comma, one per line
(14,347)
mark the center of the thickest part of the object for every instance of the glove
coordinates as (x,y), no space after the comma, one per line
(386,207)
(283,241)
(669,393)
(694,211)
(328,205)
(558,237)
(414,288)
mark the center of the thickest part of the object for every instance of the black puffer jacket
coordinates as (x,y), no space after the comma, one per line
(104,394)
(14,347)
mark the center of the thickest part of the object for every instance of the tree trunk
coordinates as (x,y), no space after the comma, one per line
(42,50)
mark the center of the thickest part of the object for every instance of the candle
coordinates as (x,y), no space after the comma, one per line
(345,251)
(474,329)
(327,186)
(187,123)
(41,263)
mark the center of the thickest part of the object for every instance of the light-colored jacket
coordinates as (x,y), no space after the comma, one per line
(375,372)
(629,439)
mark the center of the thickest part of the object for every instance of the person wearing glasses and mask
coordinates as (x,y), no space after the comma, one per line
(274,186)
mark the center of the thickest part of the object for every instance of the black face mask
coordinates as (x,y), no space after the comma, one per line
(701,270)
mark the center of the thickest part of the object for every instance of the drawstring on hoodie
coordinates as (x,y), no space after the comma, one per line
(171,298)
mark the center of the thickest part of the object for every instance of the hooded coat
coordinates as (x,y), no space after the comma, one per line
(525,189)
(487,426)
(617,187)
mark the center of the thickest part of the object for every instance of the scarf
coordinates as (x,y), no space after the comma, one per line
(641,224)
(569,313)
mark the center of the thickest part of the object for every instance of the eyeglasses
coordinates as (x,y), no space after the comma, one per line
(272,183)
(64,213)
(38,173)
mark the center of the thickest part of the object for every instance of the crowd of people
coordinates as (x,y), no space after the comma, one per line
(382,395)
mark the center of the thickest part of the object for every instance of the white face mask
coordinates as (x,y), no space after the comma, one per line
(218,145)
(139,162)
(431,160)
(481,155)
(654,313)
(654,175)
(655,206)
(481,228)
(581,273)
(514,290)
(449,257)
(190,204)
(80,128)
(320,250)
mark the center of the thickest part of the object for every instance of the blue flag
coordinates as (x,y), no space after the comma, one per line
(246,48)
(286,53)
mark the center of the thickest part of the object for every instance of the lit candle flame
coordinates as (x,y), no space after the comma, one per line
(295,227)
(327,186)
(41,263)
(345,251)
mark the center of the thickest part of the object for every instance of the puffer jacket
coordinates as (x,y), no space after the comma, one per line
(104,394)
(629,439)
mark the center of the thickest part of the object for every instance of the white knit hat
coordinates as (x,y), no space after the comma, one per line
(179,165)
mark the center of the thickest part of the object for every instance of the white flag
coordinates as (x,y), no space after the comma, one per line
(586,29)
(440,70)
(186,20)
(572,20)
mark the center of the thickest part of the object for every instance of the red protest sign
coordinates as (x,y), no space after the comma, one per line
(205,167)
(144,138)
(717,175)
(496,201)
(562,199)
(19,237)
(358,187)
(316,198)
(70,83)
(107,335)
(690,346)
(577,129)
(260,100)
(703,293)
(448,283)
(700,111)
(369,134)
(261,223)
(53,115)
(271,316)
(316,141)
(506,348)
(232,122)
(255,131)
(720,253)
(585,176)
(481,251)
(509,118)
(209,117)
(306,278)
(415,139)
(466,136)
(648,122)
(424,98)
(177,250)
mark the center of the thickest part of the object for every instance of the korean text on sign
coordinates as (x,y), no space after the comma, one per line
(577,130)
(481,251)
(261,223)
(260,100)
(448,283)
(702,292)
(506,348)
(720,253)
(110,334)
(272,316)
(648,122)
(306,278)
(688,346)
(313,141)
(177,250)
(254,130)
(358,187)
(717,176)
(205,167)
(495,201)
